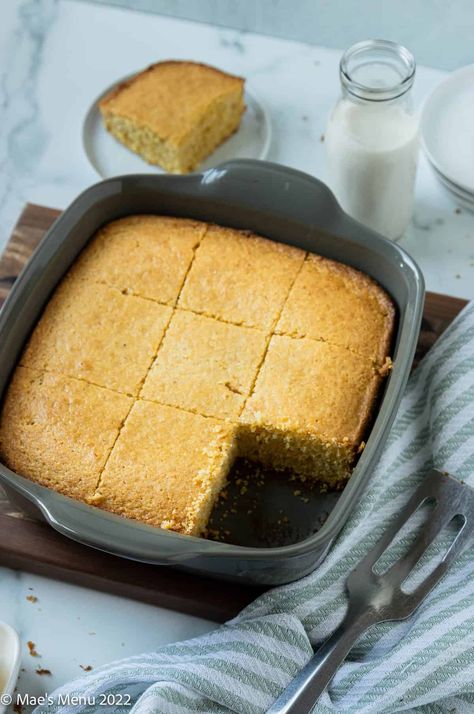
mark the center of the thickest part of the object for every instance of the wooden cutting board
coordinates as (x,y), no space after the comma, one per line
(37,548)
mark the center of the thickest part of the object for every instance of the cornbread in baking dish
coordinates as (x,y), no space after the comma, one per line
(173,346)
(96,333)
(174,114)
(309,408)
(223,280)
(205,365)
(167,468)
(156,250)
(59,431)
(325,295)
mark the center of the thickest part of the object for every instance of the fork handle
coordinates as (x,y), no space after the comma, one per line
(302,693)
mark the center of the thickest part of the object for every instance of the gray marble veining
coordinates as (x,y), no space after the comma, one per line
(23,135)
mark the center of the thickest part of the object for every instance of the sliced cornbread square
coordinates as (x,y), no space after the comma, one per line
(167,467)
(334,302)
(145,255)
(240,277)
(59,431)
(310,408)
(205,365)
(94,332)
(175,113)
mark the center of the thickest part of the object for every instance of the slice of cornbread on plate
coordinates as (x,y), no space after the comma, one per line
(205,365)
(93,332)
(59,431)
(167,468)
(144,255)
(310,408)
(336,303)
(240,277)
(174,114)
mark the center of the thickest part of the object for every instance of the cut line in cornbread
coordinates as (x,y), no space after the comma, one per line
(336,303)
(310,408)
(174,114)
(93,332)
(148,256)
(167,467)
(205,365)
(59,431)
(240,277)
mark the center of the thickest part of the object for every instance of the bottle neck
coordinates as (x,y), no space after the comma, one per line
(405,101)
(377,71)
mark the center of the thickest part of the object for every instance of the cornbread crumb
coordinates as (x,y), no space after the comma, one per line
(174,114)
(386,367)
(32,648)
(42,671)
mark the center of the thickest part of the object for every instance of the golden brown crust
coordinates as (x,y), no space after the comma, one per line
(335,302)
(314,386)
(147,256)
(59,431)
(205,365)
(240,277)
(119,88)
(94,332)
(179,463)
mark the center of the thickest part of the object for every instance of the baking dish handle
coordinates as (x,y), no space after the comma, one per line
(263,184)
(105,531)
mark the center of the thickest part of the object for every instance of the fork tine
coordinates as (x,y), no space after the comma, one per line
(435,485)
(463,506)
(410,601)
(369,560)
(440,517)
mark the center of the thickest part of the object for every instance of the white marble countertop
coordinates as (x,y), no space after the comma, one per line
(55,58)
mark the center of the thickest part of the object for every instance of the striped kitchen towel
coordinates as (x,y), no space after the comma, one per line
(425,664)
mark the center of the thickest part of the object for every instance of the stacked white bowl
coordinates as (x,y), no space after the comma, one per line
(447,129)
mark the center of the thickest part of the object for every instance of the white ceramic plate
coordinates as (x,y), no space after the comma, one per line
(10,658)
(447,128)
(467,195)
(110,158)
(460,197)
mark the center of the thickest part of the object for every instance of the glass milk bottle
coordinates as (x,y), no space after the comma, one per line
(372,137)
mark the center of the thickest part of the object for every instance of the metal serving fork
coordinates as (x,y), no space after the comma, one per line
(375,598)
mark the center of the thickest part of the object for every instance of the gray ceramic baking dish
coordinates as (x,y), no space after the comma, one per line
(278,202)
